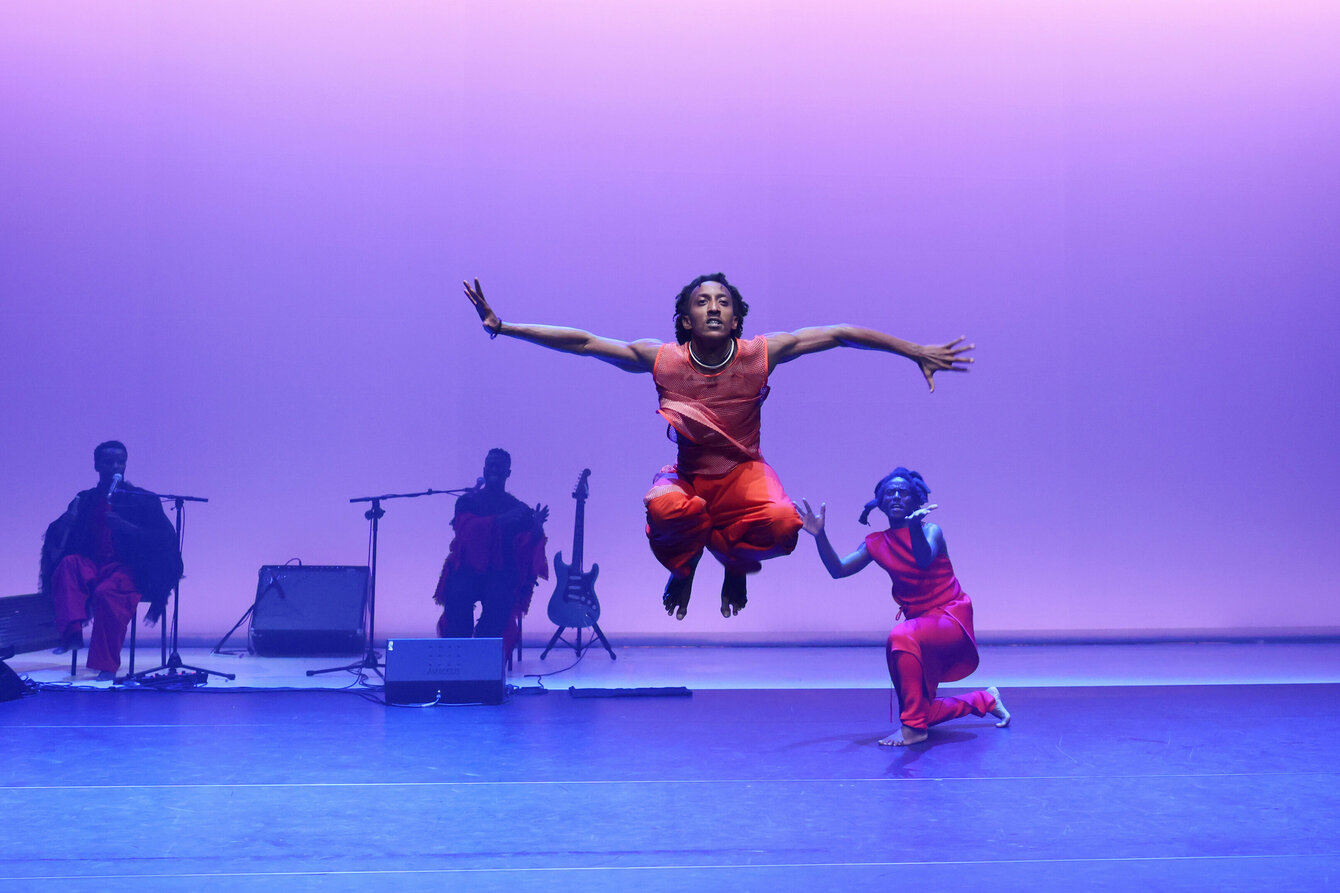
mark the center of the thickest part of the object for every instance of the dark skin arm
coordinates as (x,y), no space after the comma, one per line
(630,356)
(928,542)
(524,516)
(783,347)
(837,568)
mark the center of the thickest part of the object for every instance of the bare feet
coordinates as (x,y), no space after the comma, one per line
(676,598)
(999,711)
(733,594)
(106,676)
(905,736)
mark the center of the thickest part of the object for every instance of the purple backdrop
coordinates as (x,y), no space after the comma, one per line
(233,232)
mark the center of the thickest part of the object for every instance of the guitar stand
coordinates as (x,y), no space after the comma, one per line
(578,647)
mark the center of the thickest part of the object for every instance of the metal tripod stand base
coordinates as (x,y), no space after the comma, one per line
(577,645)
(174,667)
(369,661)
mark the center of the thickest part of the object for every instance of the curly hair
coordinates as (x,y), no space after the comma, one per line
(682,304)
(109,445)
(913,478)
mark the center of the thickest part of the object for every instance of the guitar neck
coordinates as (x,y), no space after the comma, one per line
(578,535)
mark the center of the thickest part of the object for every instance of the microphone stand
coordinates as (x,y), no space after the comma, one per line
(261,592)
(371,660)
(173,663)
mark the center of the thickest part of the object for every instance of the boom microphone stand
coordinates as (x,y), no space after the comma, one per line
(371,660)
(173,664)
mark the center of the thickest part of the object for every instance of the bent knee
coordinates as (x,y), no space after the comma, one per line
(671,504)
(659,491)
(903,640)
(781,525)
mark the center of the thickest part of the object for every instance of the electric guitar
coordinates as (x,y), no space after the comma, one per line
(574,604)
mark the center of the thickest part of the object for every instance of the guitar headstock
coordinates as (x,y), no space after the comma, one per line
(582,490)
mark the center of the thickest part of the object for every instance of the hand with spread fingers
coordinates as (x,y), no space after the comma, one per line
(492,324)
(944,358)
(810,522)
(922,512)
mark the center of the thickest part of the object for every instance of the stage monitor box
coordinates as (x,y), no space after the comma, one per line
(309,610)
(447,671)
(28,623)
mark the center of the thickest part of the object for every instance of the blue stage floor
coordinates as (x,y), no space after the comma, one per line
(1115,786)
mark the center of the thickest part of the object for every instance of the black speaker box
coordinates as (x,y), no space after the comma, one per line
(445,671)
(28,623)
(11,686)
(309,609)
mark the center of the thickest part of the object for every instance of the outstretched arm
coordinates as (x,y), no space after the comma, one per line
(928,543)
(630,356)
(837,567)
(783,347)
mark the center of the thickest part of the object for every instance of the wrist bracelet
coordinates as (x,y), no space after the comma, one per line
(496,332)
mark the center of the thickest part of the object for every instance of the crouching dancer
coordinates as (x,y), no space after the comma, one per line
(935,642)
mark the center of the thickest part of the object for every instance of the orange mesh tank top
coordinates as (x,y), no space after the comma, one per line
(715,416)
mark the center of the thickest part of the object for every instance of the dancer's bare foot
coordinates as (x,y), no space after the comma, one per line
(676,598)
(733,594)
(999,711)
(905,736)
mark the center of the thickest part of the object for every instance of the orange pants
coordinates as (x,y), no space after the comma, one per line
(76,584)
(935,635)
(742,517)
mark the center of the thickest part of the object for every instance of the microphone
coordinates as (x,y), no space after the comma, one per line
(116,482)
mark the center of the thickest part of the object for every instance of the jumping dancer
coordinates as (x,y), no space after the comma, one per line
(719,495)
(935,643)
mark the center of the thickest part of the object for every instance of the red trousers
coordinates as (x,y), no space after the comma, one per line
(935,639)
(78,584)
(742,517)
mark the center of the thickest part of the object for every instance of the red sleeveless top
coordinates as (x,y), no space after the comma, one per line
(915,589)
(716,416)
(921,591)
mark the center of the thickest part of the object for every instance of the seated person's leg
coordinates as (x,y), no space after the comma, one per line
(458,611)
(496,610)
(71,586)
(114,601)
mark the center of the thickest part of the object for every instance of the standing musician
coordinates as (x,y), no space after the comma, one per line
(113,547)
(495,559)
(720,495)
(936,642)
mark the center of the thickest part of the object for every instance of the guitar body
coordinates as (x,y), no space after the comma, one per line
(574,603)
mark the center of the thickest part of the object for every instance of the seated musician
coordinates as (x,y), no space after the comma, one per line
(495,559)
(112,548)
